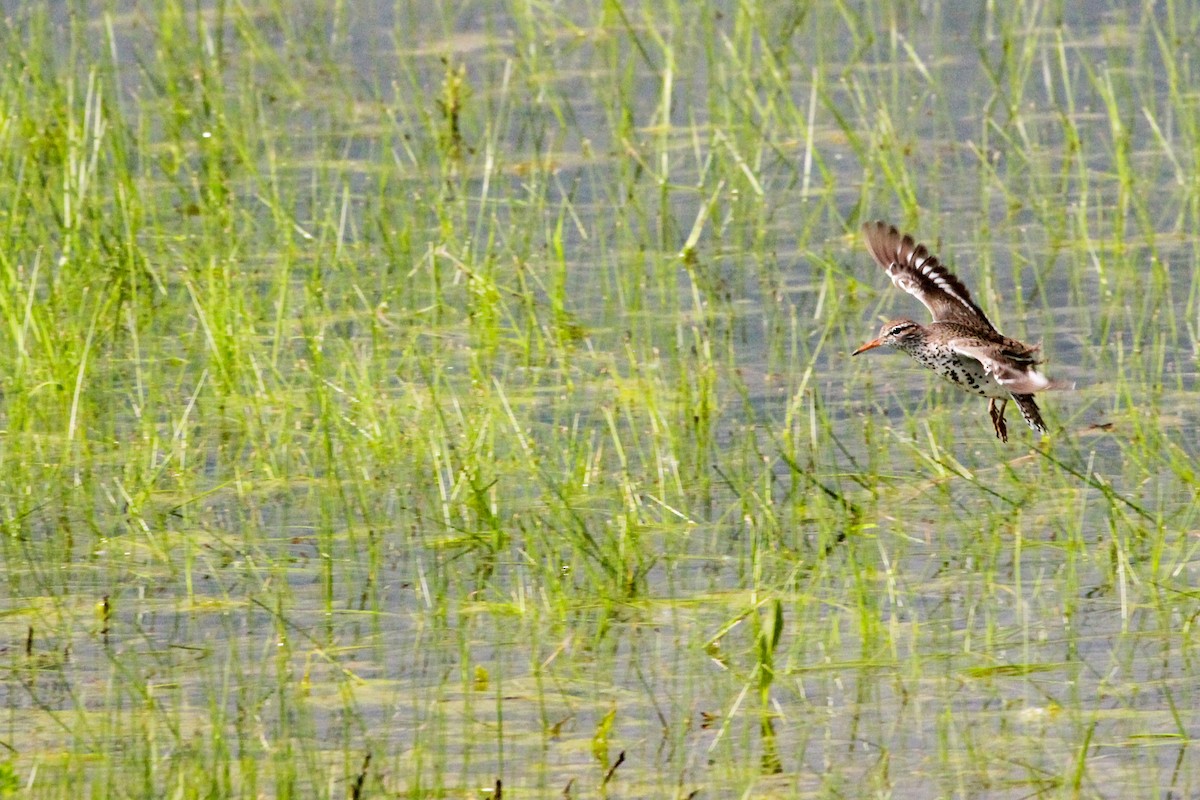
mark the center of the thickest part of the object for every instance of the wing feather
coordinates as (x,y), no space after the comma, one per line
(917,271)
(1015,370)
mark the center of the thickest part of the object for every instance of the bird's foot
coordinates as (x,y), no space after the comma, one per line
(997,412)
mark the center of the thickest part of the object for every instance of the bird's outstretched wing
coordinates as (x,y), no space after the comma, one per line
(917,271)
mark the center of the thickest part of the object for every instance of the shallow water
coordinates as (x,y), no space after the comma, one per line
(433,448)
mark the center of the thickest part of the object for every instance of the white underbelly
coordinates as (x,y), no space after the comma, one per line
(964,372)
(970,376)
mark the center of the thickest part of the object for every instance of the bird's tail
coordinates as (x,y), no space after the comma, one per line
(1031,413)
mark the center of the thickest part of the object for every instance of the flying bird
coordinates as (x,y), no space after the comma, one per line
(961,344)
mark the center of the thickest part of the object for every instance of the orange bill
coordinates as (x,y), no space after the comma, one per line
(871,345)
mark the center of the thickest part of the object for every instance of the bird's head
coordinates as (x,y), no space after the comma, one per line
(903,334)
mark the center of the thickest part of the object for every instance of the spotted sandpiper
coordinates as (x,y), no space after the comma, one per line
(961,344)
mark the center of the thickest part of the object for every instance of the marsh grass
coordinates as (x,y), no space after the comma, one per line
(455,402)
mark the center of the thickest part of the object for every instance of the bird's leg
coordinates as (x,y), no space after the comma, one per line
(997,412)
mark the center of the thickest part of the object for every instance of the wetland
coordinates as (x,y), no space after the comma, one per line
(455,400)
